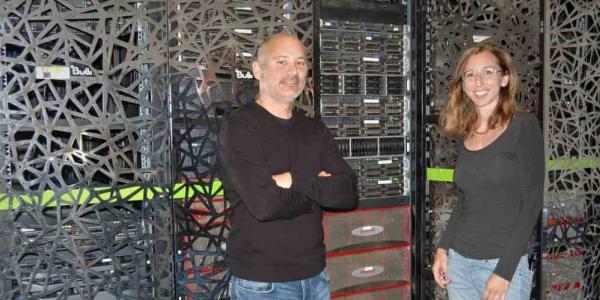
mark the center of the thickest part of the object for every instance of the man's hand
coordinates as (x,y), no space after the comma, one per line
(283,180)
(496,288)
(440,268)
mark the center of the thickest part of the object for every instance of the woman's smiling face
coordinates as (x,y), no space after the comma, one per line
(482,80)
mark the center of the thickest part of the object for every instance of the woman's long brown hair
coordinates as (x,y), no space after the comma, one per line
(459,116)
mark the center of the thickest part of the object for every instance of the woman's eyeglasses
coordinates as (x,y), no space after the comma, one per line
(486,75)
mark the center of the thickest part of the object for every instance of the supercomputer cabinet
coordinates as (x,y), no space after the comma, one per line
(362,62)
(109,113)
(84,211)
(212,49)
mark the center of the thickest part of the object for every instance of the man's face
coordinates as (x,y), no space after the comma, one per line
(281,69)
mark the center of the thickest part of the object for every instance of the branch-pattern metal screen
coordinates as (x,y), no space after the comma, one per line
(84,188)
(109,116)
(454,26)
(108,119)
(572,120)
(212,44)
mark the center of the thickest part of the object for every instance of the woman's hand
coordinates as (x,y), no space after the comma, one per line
(496,288)
(440,268)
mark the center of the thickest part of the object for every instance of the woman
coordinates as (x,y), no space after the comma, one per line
(500,171)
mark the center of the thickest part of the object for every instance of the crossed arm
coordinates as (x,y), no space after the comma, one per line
(284,180)
(282,196)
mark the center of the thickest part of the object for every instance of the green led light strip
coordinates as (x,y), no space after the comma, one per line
(447,175)
(439,174)
(106,194)
(573,163)
(136,193)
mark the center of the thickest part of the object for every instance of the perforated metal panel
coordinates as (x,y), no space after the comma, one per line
(106,118)
(84,195)
(212,44)
(572,120)
(454,26)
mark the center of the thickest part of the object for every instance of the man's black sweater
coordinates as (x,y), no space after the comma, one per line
(276,233)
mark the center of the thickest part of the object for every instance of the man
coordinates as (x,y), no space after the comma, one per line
(279,169)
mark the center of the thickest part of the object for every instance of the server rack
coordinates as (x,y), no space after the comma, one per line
(363,66)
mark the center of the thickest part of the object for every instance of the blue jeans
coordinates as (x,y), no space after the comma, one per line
(314,288)
(469,277)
